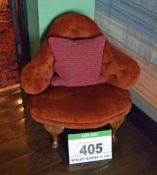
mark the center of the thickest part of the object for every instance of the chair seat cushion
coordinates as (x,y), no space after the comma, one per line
(80,107)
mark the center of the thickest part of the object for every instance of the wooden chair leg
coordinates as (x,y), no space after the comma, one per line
(115,125)
(54,132)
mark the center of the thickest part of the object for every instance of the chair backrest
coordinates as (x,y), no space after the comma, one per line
(70,25)
(77,46)
(74,25)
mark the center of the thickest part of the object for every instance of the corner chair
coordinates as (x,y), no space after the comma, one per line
(79,107)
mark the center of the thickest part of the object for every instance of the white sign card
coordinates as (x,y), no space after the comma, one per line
(91,146)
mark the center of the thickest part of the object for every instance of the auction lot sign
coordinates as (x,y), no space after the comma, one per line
(91,146)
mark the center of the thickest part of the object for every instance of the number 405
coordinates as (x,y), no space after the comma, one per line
(91,149)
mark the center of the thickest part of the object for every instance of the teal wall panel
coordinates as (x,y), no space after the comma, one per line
(42,12)
(49,9)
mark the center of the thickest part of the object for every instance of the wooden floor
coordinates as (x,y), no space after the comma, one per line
(25,147)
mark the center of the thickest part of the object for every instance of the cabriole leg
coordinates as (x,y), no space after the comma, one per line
(115,125)
(54,132)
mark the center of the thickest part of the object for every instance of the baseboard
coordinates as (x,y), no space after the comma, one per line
(143,122)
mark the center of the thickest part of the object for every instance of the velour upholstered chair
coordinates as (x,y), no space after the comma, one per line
(78,80)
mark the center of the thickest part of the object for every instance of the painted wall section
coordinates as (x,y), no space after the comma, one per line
(49,9)
(133,25)
(42,12)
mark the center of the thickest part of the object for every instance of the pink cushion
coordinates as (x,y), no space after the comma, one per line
(77,62)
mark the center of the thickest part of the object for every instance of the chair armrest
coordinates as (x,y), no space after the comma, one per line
(118,68)
(36,75)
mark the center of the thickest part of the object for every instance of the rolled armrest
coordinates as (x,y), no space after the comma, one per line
(118,68)
(36,75)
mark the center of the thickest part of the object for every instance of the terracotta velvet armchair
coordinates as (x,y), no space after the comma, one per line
(79,107)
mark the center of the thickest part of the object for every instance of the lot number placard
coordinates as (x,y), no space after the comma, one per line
(91,146)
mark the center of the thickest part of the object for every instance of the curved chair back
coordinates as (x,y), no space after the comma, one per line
(74,25)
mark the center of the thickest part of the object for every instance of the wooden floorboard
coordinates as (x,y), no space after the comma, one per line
(16,114)
(25,147)
(18,128)
(31,163)
(10,92)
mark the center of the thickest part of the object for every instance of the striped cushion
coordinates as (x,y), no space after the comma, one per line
(77,62)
